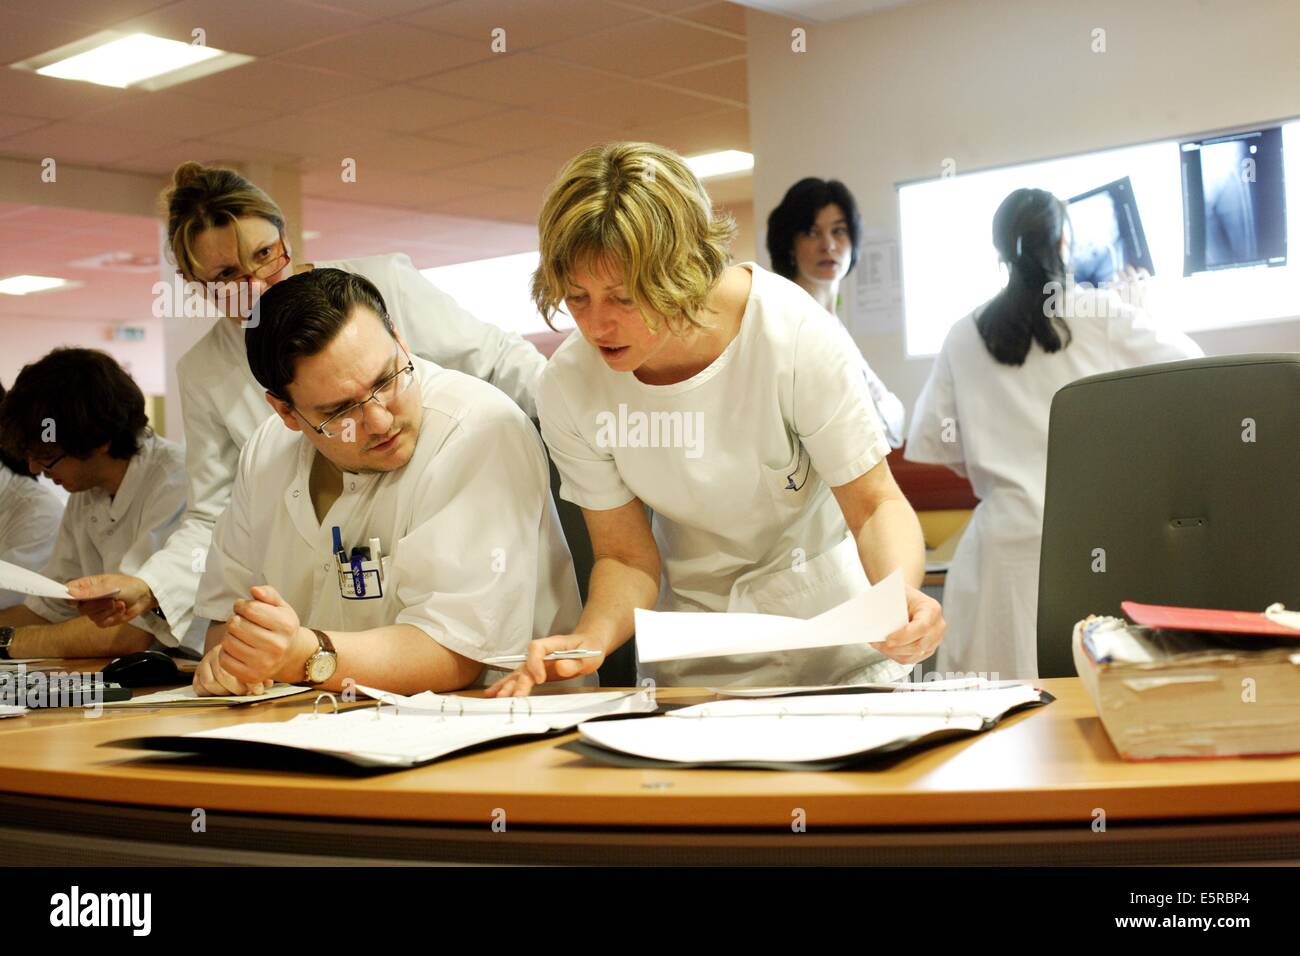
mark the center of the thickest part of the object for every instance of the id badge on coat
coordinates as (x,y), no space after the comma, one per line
(360,580)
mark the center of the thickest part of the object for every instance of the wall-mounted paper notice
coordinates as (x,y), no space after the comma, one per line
(865,618)
(15,578)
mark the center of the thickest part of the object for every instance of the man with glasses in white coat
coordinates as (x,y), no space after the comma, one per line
(392,523)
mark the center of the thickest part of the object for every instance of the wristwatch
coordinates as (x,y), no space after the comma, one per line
(6,638)
(322,664)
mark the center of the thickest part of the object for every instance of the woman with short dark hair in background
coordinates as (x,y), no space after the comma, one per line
(984,413)
(813,239)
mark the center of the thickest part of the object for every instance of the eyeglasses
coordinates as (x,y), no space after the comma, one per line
(384,393)
(47,465)
(279,259)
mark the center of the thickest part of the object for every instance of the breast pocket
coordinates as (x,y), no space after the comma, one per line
(789,485)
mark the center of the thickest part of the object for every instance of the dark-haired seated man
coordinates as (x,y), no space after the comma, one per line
(77,417)
(392,523)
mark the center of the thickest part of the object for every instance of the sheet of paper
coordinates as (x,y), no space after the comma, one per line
(954,683)
(381,738)
(186,697)
(15,578)
(761,738)
(984,704)
(11,710)
(560,711)
(865,618)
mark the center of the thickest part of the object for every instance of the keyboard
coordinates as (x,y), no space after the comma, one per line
(38,689)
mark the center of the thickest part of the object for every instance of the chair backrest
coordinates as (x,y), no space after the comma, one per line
(1175,484)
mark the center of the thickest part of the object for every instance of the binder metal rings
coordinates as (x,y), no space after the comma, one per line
(315,707)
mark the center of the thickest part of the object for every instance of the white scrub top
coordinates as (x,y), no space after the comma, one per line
(471,545)
(115,534)
(29,521)
(737,464)
(222,403)
(988,421)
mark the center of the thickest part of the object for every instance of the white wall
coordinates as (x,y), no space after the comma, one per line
(887,97)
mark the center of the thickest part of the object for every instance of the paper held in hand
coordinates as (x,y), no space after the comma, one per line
(15,578)
(865,618)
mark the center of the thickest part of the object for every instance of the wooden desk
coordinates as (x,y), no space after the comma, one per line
(1026,792)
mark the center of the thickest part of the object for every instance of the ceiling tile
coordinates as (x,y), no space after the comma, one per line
(647,48)
(378,9)
(516,171)
(729,80)
(51,97)
(271,85)
(533,82)
(9,125)
(513,130)
(527,23)
(723,16)
(182,117)
(398,190)
(81,144)
(245,26)
(392,52)
(26,35)
(93,13)
(402,109)
(726,129)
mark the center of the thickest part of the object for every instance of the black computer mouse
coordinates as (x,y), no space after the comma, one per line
(144,669)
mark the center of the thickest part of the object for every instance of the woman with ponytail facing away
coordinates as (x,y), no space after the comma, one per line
(984,413)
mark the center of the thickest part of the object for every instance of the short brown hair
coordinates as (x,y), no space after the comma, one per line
(641,206)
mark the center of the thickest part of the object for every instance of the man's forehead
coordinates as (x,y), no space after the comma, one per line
(361,352)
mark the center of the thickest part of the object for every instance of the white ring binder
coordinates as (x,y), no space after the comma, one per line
(315,707)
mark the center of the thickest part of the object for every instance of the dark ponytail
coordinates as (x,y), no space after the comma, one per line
(1027,230)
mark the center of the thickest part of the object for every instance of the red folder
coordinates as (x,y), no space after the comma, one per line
(1202,619)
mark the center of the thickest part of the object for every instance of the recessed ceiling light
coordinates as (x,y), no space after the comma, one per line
(139,60)
(723,163)
(25,285)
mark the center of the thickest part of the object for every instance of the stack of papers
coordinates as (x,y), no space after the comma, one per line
(1170,692)
(815,732)
(401,731)
(187,697)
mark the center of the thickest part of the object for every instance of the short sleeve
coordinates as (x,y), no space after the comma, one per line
(477,599)
(589,475)
(935,437)
(833,412)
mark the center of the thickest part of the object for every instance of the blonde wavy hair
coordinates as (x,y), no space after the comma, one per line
(638,206)
(202,197)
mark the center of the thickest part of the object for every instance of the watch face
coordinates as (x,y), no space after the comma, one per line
(321,667)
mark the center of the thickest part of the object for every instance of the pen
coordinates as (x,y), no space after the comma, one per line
(338,545)
(509,661)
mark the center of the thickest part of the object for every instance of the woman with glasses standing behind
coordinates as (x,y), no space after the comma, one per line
(813,239)
(228,235)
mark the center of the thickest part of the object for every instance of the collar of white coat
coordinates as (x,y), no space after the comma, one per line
(133,480)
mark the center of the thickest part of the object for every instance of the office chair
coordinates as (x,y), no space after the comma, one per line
(1176,483)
